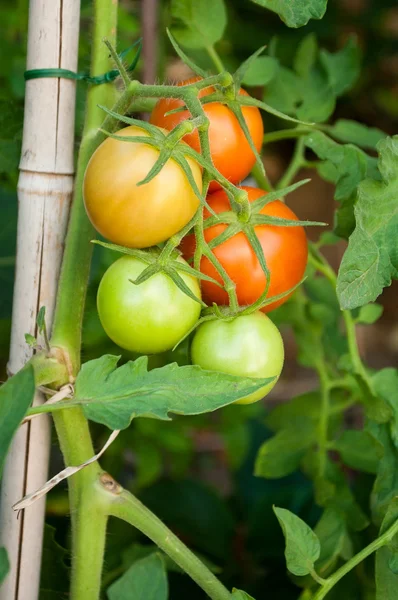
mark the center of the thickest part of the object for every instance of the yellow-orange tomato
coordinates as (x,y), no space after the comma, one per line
(137,216)
(230,150)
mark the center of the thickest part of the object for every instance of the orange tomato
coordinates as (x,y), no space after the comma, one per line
(137,216)
(230,150)
(285,251)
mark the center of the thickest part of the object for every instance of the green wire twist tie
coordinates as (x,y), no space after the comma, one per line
(96,80)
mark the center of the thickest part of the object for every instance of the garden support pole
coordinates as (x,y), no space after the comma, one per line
(44,193)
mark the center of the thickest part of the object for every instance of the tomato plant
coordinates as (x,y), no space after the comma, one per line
(230,150)
(247,346)
(284,248)
(147,318)
(130,214)
(194,255)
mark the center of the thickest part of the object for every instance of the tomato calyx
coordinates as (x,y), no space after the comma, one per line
(169,145)
(159,261)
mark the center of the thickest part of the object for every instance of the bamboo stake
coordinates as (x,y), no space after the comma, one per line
(44,193)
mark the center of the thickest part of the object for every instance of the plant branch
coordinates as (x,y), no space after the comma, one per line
(295,165)
(217,62)
(324,413)
(381,541)
(321,265)
(284,134)
(130,509)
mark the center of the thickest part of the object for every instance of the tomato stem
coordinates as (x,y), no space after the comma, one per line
(295,164)
(381,541)
(217,62)
(324,413)
(130,509)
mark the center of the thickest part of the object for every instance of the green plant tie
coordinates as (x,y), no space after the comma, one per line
(94,80)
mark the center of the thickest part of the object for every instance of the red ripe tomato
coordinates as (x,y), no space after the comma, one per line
(285,251)
(230,150)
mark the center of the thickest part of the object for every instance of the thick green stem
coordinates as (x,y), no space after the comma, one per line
(130,509)
(88,546)
(381,541)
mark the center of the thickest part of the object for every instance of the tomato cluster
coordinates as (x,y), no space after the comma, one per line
(153,316)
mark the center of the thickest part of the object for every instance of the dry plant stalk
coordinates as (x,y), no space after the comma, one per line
(44,193)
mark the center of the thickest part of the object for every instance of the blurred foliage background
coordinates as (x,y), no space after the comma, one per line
(196,473)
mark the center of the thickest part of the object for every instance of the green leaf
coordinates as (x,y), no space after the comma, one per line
(343,67)
(352,132)
(284,93)
(302,544)
(371,259)
(261,71)
(114,396)
(335,542)
(40,319)
(297,13)
(306,55)
(345,166)
(333,491)
(385,487)
(198,24)
(385,383)
(349,162)
(10,151)
(386,578)
(281,455)
(306,405)
(240,595)
(369,313)
(4,564)
(54,572)
(30,340)
(357,450)
(317,98)
(15,397)
(145,580)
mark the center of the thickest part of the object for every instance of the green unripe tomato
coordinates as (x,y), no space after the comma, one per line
(147,318)
(248,346)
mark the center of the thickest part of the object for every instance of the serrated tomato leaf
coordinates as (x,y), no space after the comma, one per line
(343,67)
(297,13)
(371,259)
(352,132)
(346,166)
(114,396)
